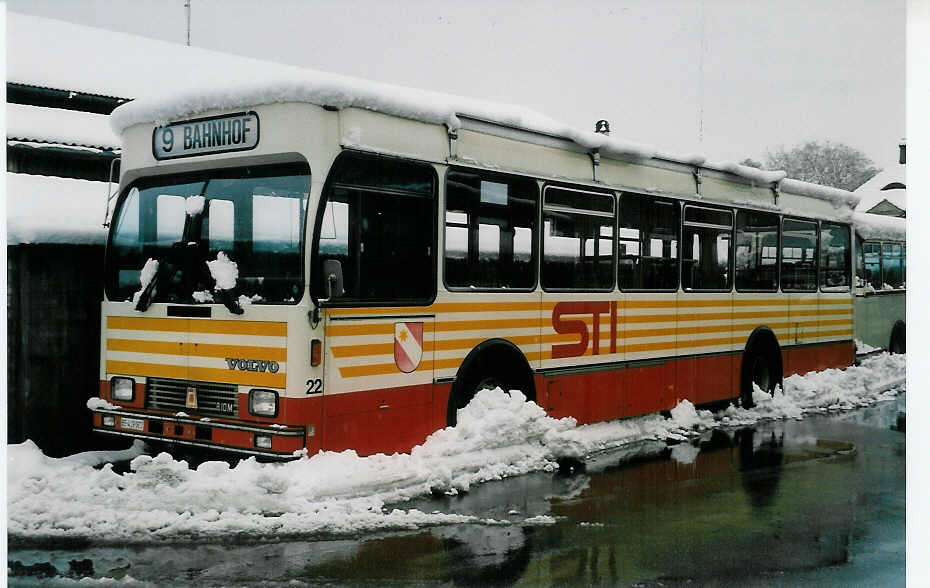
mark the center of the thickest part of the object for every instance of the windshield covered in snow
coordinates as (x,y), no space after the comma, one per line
(238,230)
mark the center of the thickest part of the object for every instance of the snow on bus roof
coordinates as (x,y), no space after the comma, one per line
(879,226)
(292,84)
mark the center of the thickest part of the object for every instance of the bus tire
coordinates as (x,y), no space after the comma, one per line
(761,365)
(898,341)
(495,363)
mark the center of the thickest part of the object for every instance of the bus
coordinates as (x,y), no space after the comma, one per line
(881,280)
(300,267)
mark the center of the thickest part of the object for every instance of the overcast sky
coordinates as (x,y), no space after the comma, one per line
(772,73)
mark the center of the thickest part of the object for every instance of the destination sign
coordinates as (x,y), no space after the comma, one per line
(221,134)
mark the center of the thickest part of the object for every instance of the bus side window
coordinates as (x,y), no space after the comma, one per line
(578,239)
(707,236)
(872,258)
(860,262)
(756,257)
(490,224)
(647,242)
(834,257)
(892,265)
(377,221)
(799,255)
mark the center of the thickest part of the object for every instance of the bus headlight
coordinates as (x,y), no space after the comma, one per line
(263,402)
(122,389)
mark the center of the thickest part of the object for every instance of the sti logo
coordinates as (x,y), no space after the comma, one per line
(580,328)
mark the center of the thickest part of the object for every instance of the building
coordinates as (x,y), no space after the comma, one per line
(886,192)
(62,82)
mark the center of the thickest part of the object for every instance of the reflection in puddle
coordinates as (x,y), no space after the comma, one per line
(730,504)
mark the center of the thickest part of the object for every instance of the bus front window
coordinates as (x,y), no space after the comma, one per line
(253,216)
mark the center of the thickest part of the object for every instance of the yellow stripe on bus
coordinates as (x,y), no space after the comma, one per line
(197,349)
(224,327)
(439,307)
(547,305)
(197,373)
(371,349)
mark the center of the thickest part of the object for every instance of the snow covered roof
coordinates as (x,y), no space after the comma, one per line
(879,226)
(57,54)
(871,193)
(63,127)
(44,209)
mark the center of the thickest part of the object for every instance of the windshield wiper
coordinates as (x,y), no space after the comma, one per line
(164,272)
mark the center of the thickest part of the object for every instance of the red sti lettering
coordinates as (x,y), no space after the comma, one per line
(578,327)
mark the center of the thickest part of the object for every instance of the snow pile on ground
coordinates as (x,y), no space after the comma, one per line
(225,272)
(498,435)
(877,378)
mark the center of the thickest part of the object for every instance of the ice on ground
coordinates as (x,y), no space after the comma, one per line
(225,272)
(498,435)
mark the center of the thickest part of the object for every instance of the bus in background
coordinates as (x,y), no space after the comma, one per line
(881,265)
(287,274)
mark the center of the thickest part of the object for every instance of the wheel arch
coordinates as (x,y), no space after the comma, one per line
(899,329)
(491,354)
(761,340)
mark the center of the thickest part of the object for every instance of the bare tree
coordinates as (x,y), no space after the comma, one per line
(827,163)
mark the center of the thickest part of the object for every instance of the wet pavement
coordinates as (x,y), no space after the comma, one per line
(817,502)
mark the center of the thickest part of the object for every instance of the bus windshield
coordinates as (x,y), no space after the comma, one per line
(252,217)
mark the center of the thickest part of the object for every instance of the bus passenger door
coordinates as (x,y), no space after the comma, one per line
(378,380)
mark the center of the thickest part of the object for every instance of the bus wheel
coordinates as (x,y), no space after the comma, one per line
(898,341)
(761,366)
(492,364)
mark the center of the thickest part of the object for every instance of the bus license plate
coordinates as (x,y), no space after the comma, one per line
(132,424)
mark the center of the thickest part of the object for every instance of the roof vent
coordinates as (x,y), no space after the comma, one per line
(602,127)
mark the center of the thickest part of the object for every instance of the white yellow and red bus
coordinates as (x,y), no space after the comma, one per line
(289,274)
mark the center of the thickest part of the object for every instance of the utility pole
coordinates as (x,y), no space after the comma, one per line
(187,8)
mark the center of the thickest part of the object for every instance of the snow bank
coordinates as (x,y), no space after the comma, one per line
(498,435)
(879,226)
(44,209)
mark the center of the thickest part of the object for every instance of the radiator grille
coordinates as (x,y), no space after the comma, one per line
(212,398)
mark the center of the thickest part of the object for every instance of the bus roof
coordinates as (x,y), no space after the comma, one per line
(880,227)
(293,84)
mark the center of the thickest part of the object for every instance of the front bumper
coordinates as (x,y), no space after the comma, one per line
(203,433)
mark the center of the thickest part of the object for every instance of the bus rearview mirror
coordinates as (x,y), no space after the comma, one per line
(332,272)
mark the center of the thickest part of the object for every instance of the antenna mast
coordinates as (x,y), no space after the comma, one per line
(700,81)
(187,8)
